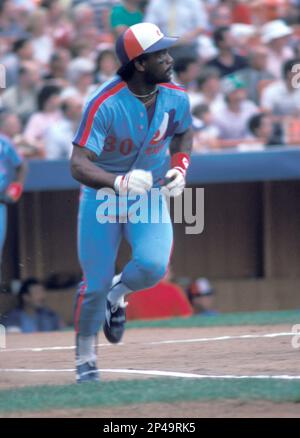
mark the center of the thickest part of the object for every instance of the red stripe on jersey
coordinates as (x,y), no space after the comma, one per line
(95,108)
(173,86)
(131,44)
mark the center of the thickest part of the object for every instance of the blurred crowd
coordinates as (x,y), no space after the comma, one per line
(32,312)
(238,60)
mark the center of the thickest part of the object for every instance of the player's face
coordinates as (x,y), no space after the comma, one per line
(158,67)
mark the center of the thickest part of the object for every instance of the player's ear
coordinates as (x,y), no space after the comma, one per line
(140,65)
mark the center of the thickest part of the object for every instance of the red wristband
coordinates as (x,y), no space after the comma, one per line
(15,190)
(180,161)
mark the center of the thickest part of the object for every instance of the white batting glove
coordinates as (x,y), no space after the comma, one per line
(179,162)
(135,182)
(177,184)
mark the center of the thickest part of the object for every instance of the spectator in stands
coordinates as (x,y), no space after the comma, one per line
(32,315)
(208,90)
(201,295)
(60,26)
(184,18)
(54,9)
(282,98)
(275,34)
(10,124)
(86,34)
(232,120)
(264,131)
(48,114)
(22,51)
(186,71)
(102,10)
(83,17)
(240,11)
(106,66)
(42,43)
(267,10)
(22,97)
(227,61)
(206,133)
(220,16)
(23,9)
(11,127)
(125,15)
(59,135)
(80,74)
(256,76)
(245,36)
(83,46)
(11,27)
(58,67)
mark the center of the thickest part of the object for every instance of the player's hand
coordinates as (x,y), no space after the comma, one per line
(136,182)
(175,177)
(14,192)
(176,182)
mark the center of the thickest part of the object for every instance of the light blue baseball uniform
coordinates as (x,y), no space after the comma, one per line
(115,127)
(9,161)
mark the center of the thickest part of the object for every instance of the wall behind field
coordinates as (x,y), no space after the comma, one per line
(249,249)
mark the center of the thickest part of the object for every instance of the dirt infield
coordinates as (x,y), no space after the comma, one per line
(216,409)
(40,359)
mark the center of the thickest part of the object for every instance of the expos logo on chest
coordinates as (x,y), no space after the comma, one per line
(166,129)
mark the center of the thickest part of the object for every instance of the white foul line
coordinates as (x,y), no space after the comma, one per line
(222,338)
(39,349)
(155,373)
(175,341)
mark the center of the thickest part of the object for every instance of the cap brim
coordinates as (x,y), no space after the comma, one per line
(162,44)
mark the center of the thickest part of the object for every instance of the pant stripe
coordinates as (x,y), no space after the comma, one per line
(78,307)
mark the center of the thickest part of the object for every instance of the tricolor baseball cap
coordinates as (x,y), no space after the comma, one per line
(139,39)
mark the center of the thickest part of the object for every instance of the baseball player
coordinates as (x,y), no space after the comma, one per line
(128,128)
(11,180)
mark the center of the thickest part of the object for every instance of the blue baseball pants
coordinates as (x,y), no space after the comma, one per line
(98,245)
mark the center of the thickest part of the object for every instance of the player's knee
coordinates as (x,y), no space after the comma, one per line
(151,271)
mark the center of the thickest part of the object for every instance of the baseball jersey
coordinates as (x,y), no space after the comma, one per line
(9,160)
(115,127)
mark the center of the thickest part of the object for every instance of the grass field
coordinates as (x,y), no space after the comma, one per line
(121,393)
(223,320)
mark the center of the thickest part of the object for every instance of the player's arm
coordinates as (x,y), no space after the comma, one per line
(21,171)
(85,171)
(182,142)
(180,150)
(15,189)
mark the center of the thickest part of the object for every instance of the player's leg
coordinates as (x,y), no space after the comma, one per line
(98,245)
(151,245)
(3,221)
